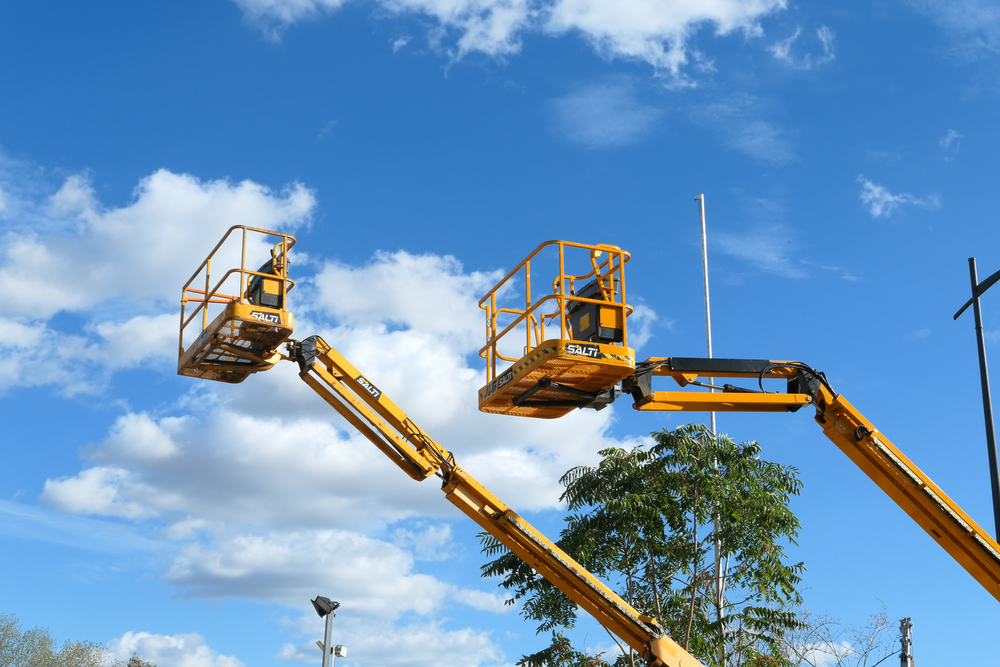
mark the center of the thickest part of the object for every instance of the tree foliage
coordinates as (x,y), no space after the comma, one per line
(642,519)
(37,648)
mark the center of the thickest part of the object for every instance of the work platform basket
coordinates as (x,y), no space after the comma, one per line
(236,326)
(560,319)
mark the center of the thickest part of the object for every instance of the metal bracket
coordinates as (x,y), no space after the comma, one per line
(588,399)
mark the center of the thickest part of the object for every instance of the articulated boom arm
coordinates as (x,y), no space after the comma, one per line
(381,421)
(895,474)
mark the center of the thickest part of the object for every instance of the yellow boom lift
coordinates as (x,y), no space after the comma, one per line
(575,355)
(240,325)
(580,369)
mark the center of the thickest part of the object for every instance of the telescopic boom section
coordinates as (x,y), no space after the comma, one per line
(871,451)
(380,420)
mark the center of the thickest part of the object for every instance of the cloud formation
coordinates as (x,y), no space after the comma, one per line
(974,25)
(656,32)
(183,650)
(782,50)
(737,121)
(766,248)
(949,137)
(951,144)
(119,268)
(882,203)
(604,115)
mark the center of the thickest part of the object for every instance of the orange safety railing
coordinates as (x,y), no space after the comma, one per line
(607,265)
(212,295)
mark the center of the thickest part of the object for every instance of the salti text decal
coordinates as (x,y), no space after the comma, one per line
(271,318)
(499,382)
(591,351)
(369,387)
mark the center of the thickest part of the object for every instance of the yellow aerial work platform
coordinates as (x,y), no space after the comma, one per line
(237,326)
(586,316)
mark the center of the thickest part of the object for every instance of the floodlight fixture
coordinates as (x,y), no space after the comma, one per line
(325,606)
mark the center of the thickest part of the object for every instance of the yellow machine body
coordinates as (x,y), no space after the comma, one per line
(233,344)
(965,541)
(241,340)
(236,325)
(588,367)
(574,332)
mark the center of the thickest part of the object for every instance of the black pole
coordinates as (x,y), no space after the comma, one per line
(991,445)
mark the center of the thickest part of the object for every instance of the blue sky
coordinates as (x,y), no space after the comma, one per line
(419,149)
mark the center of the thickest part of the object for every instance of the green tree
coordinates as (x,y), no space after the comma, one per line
(136,661)
(642,519)
(36,648)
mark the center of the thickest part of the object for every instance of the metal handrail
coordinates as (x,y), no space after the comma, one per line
(225,298)
(535,322)
(211,295)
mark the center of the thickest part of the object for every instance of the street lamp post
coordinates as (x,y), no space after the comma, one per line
(906,643)
(978,288)
(327,609)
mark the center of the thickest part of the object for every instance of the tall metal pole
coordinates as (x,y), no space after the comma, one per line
(327,633)
(704,267)
(984,377)
(906,644)
(720,609)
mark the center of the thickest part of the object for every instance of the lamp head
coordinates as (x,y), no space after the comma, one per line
(325,606)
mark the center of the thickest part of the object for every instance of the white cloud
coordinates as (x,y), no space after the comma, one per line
(736,120)
(948,138)
(782,50)
(491,27)
(46,526)
(882,203)
(973,24)
(327,130)
(766,248)
(80,362)
(186,650)
(98,491)
(426,542)
(652,31)
(121,267)
(371,577)
(137,340)
(423,293)
(274,16)
(951,144)
(888,158)
(605,115)
(426,643)
(844,273)
(142,252)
